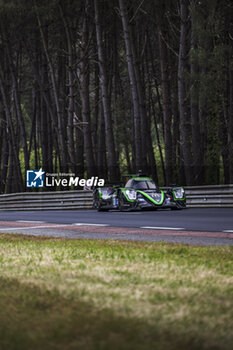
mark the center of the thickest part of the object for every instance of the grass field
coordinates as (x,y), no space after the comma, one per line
(89,294)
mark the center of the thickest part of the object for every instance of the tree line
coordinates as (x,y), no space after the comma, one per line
(104,88)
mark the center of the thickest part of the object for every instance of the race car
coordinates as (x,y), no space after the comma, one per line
(139,193)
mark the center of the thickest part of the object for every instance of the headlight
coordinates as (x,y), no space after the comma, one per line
(131,194)
(106,193)
(178,192)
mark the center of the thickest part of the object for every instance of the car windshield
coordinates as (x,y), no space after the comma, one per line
(144,185)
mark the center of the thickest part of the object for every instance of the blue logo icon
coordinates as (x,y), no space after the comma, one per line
(35,178)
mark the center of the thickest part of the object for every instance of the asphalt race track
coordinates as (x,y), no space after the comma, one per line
(209,226)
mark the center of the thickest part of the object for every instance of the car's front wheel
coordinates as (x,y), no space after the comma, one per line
(179,206)
(121,202)
(100,208)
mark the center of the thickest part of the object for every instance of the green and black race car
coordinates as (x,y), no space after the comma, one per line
(139,193)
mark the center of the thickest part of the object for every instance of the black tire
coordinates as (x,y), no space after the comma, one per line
(177,207)
(95,201)
(99,208)
(121,202)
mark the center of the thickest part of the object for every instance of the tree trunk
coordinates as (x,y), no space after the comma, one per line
(101,147)
(16,98)
(141,99)
(194,110)
(14,154)
(133,85)
(96,116)
(4,152)
(62,146)
(70,129)
(112,161)
(230,99)
(79,159)
(182,90)
(230,127)
(84,81)
(166,92)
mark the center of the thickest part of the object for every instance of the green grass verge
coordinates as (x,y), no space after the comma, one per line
(89,294)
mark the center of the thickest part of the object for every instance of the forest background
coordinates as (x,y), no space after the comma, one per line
(104,88)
